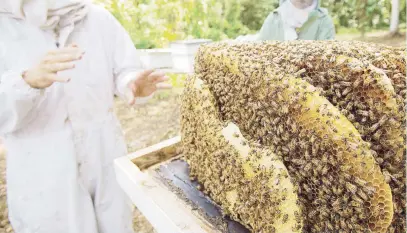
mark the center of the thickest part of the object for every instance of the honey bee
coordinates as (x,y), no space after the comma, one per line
(337,191)
(357,82)
(298,161)
(307,188)
(307,167)
(377,135)
(329,226)
(312,213)
(285,218)
(387,176)
(343,224)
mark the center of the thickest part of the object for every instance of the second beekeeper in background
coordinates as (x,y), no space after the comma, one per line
(61,62)
(296,20)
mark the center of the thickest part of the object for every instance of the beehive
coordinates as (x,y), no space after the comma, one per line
(340,186)
(392,61)
(388,58)
(251,183)
(363,93)
(389,146)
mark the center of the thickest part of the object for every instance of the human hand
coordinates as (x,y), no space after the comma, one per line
(147,83)
(46,72)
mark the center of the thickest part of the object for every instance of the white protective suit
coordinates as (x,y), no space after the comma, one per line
(293,18)
(62,140)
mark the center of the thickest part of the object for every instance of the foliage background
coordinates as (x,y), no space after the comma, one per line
(153,23)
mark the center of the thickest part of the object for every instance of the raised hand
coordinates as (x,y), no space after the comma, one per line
(147,83)
(46,72)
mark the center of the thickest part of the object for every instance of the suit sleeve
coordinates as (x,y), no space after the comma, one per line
(125,59)
(18,101)
(266,30)
(327,29)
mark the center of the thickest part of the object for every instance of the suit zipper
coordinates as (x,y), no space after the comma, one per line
(56,36)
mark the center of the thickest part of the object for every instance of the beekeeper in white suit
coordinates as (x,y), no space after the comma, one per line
(61,62)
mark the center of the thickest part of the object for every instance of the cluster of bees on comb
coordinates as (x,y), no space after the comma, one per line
(300,136)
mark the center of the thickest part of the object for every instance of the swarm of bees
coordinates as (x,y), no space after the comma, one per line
(249,181)
(332,113)
(373,102)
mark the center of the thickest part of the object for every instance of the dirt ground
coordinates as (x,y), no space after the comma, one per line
(150,124)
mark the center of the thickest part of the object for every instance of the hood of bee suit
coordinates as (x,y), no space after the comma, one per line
(318,2)
(294,18)
(58,15)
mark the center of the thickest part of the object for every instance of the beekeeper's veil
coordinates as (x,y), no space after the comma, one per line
(293,17)
(58,15)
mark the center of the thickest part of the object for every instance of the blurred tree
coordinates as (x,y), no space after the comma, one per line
(395,13)
(362,16)
(255,12)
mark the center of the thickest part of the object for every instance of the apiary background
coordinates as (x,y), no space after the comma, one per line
(150,124)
